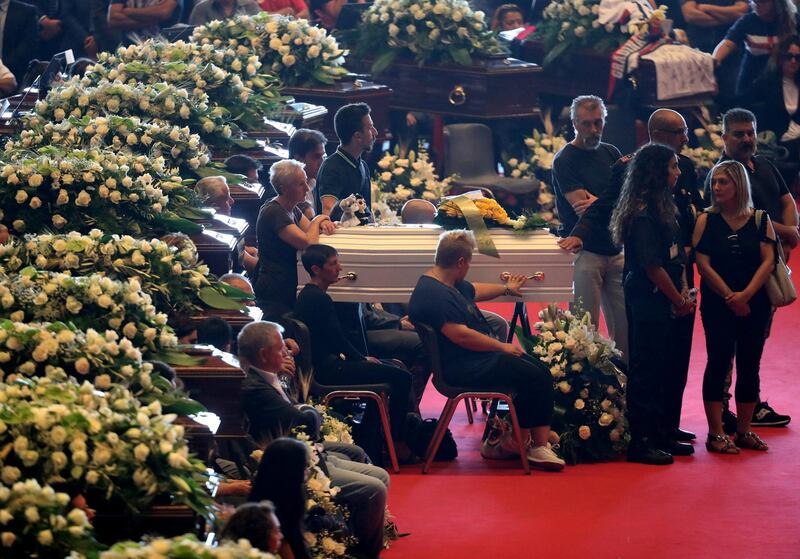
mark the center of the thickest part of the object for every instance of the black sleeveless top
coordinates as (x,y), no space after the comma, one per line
(734,255)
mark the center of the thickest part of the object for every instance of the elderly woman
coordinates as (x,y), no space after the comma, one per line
(282,230)
(735,255)
(444,300)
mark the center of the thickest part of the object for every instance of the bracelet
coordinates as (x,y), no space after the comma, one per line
(507,292)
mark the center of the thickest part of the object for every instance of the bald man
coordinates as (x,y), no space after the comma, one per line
(418,212)
(666,127)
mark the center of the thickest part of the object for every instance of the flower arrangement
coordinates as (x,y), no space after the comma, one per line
(37,521)
(177,146)
(488,207)
(183,547)
(81,190)
(230,77)
(161,101)
(401,179)
(323,543)
(57,349)
(296,51)
(174,279)
(334,430)
(709,150)
(588,387)
(429,30)
(572,24)
(102,444)
(87,301)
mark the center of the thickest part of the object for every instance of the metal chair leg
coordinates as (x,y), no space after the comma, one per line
(438,435)
(523,454)
(469,410)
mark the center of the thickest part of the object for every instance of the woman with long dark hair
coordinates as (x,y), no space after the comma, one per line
(281,479)
(645,222)
(735,255)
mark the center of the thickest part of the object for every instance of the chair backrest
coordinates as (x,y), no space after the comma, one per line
(468,151)
(430,341)
(304,365)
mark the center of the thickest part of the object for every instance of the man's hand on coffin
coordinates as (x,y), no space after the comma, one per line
(572,244)
(514,284)
(581,206)
(512,349)
(405,324)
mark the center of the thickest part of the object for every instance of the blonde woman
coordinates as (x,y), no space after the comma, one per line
(735,256)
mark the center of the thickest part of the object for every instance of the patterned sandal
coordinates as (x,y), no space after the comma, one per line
(721,444)
(751,441)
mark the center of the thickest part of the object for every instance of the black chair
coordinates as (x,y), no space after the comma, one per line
(378,393)
(455,394)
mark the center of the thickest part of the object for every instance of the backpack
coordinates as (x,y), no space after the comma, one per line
(419,433)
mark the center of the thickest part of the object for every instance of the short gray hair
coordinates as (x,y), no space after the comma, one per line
(588,102)
(455,244)
(281,172)
(211,187)
(255,336)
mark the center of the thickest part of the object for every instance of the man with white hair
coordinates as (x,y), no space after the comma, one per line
(217,193)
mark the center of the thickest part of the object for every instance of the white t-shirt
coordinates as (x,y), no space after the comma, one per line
(790,97)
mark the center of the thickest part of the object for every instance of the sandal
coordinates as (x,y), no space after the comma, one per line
(721,444)
(751,441)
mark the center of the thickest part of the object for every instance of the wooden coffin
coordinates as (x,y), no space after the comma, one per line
(247,201)
(237,319)
(388,261)
(491,88)
(216,383)
(264,153)
(594,71)
(216,250)
(342,93)
(235,226)
(200,431)
(112,526)
(280,127)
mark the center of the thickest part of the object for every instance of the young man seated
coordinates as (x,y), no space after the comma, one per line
(336,360)
(445,301)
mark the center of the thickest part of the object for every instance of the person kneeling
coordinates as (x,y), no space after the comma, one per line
(444,300)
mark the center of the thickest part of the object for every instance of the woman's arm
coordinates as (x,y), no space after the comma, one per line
(723,50)
(300,239)
(660,278)
(464,336)
(767,264)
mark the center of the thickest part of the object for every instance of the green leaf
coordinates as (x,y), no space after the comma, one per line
(555,52)
(460,55)
(233,292)
(180,225)
(175,358)
(188,212)
(527,343)
(217,300)
(182,406)
(246,143)
(383,62)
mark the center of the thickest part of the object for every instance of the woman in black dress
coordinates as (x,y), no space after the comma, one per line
(645,221)
(282,230)
(735,255)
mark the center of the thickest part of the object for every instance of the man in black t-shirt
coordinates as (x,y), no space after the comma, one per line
(345,172)
(770,194)
(581,174)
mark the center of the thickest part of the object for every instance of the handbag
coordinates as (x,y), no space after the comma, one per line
(779,286)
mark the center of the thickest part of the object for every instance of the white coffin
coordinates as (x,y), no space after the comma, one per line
(389,260)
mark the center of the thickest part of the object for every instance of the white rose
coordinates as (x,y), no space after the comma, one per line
(21,196)
(82,365)
(579,404)
(584,432)
(83,199)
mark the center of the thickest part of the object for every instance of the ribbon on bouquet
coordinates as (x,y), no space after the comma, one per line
(475,223)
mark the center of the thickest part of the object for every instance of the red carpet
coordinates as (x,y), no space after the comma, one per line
(705,506)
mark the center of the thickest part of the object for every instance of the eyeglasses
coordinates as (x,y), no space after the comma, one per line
(733,244)
(683,131)
(791,56)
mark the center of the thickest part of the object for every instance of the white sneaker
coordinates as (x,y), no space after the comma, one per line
(509,444)
(544,458)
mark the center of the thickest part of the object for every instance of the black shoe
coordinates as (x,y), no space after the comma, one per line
(677,448)
(645,453)
(684,436)
(765,416)
(729,422)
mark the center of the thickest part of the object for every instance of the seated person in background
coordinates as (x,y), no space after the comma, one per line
(209,10)
(256,523)
(444,300)
(241,283)
(272,414)
(507,18)
(215,331)
(142,19)
(296,8)
(244,165)
(326,12)
(417,212)
(217,193)
(8,83)
(336,360)
(308,147)
(20,36)
(282,230)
